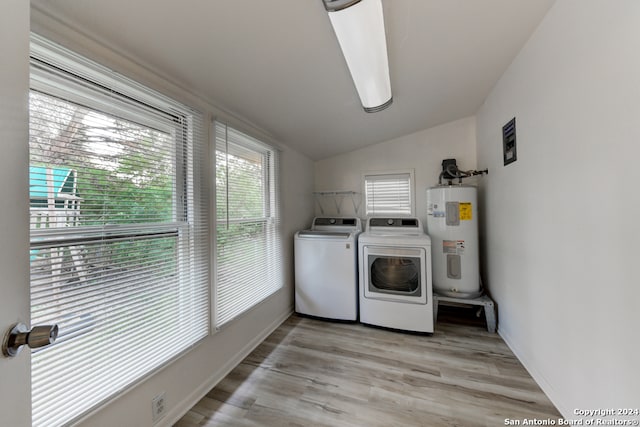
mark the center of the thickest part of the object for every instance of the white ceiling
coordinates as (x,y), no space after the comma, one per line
(278,64)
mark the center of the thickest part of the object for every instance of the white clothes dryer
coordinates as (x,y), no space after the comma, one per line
(395,275)
(326,269)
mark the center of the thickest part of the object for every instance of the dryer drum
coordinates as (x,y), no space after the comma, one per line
(395,274)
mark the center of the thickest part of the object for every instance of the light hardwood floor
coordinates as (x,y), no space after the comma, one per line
(316,373)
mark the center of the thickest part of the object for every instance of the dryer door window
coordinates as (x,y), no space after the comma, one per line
(396,274)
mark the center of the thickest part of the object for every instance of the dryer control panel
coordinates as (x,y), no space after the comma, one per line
(394,222)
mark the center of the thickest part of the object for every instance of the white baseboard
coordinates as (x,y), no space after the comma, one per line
(190,400)
(537,376)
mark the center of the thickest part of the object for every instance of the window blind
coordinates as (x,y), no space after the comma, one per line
(388,194)
(119,247)
(248,241)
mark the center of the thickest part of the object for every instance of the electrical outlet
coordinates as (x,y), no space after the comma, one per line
(158,408)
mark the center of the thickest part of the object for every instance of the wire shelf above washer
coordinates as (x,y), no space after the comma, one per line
(337,197)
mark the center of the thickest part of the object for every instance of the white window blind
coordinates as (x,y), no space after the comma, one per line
(248,242)
(388,194)
(119,250)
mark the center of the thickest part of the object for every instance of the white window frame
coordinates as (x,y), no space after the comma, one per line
(270,218)
(369,175)
(57,71)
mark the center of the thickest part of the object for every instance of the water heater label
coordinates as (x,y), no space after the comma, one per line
(465,211)
(454,247)
(433,210)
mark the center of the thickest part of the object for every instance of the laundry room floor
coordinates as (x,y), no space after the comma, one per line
(315,373)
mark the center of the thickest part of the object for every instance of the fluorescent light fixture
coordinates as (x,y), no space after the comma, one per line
(359,27)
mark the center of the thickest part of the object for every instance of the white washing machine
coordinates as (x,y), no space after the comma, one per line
(395,275)
(326,269)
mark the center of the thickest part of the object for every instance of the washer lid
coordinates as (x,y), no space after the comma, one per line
(327,235)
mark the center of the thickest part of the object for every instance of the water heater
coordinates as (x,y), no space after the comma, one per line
(452,224)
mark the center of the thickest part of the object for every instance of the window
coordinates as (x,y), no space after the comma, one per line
(119,253)
(248,248)
(388,194)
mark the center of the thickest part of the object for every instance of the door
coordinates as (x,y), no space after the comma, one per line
(14,206)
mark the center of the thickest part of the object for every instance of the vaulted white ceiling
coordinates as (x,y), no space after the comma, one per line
(278,64)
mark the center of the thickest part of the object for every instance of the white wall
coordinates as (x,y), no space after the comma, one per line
(421,151)
(187,379)
(561,223)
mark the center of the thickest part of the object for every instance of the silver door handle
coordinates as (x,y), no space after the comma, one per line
(19,335)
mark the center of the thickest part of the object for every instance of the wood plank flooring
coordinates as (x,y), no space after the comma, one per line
(315,373)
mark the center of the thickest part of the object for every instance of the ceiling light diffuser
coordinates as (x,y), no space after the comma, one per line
(359,27)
